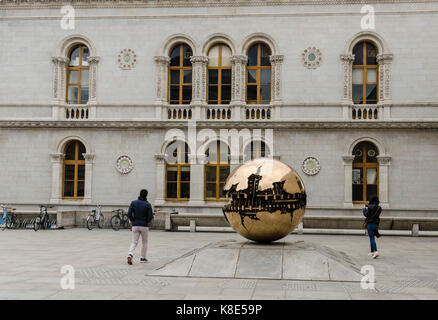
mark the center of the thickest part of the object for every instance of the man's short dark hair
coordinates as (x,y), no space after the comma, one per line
(143,194)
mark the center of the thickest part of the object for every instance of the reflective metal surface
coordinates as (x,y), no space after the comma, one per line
(268,200)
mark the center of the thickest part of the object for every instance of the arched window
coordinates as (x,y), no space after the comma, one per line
(78,78)
(219,75)
(365,172)
(258,77)
(365,73)
(73,182)
(217,169)
(177,171)
(180,75)
(256,149)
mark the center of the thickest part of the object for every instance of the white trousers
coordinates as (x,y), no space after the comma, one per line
(136,233)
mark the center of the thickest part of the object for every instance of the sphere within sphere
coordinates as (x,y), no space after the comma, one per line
(268,200)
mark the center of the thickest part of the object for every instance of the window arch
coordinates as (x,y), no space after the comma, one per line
(258,76)
(365,79)
(365,177)
(219,75)
(180,74)
(217,169)
(256,149)
(177,171)
(73,177)
(78,76)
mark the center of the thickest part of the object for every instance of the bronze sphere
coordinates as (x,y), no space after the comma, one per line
(268,200)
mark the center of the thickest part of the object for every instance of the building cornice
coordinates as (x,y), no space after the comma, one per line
(222,124)
(33,4)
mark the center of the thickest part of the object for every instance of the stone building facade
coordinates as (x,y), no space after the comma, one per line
(93,114)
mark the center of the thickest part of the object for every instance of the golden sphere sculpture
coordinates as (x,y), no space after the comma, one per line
(268,200)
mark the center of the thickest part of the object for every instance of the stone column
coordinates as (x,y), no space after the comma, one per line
(384,163)
(199,84)
(235,161)
(276,93)
(89,160)
(57,161)
(238,76)
(384,61)
(162,65)
(347,90)
(92,98)
(196,179)
(160,160)
(59,86)
(348,174)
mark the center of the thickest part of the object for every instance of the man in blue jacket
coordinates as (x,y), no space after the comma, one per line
(141,215)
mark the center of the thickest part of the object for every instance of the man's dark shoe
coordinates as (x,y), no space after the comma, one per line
(129,260)
(143,260)
(378,235)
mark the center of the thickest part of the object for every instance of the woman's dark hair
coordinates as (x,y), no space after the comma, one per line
(143,194)
(374,200)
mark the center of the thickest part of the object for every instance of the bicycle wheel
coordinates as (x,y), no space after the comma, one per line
(45,223)
(37,224)
(115,223)
(16,223)
(9,222)
(101,221)
(90,222)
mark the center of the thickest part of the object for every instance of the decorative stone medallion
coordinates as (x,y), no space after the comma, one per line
(124,164)
(311,166)
(312,57)
(127,59)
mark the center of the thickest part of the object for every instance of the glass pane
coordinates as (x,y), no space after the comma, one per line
(175,56)
(213,76)
(73,77)
(185,190)
(80,191)
(171,190)
(251,93)
(226,93)
(252,76)
(358,154)
(358,54)
(212,93)
(371,93)
(213,57)
(185,173)
(224,152)
(371,175)
(371,191)
(371,75)
(81,172)
(69,172)
(211,152)
(357,93)
(226,76)
(187,76)
(224,172)
(84,95)
(72,94)
(265,76)
(85,77)
(221,190)
(371,54)
(70,151)
(85,55)
(357,192)
(357,176)
(172,173)
(357,76)
(265,94)
(211,190)
(210,173)
(252,55)
(174,93)
(226,54)
(174,76)
(187,53)
(81,151)
(265,52)
(187,93)
(371,153)
(74,57)
(68,189)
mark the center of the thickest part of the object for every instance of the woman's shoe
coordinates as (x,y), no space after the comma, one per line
(130,260)
(375,255)
(370,254)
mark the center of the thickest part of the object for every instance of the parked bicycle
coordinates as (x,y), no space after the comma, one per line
(120,220)
(42,221)
(95,218)
(9,219)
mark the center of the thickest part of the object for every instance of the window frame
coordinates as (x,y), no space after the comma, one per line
(364,66)
(181,68)
(218,165)
(179,164)
(364,165)
(79,69)
(258,69)
(219,69)
(76,162)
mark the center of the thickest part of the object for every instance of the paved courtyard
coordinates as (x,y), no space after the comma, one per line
(184,266)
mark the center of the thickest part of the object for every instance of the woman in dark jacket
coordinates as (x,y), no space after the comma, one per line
(372,213)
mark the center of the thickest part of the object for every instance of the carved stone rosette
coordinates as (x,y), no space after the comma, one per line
(162,64)
(276,63)
(199,79)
